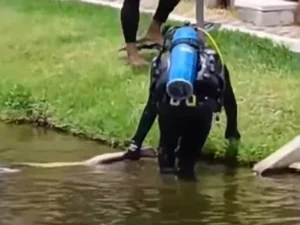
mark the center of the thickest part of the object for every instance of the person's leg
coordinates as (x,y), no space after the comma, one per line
(165,7)
(130,16)
(169,136)
(196,132)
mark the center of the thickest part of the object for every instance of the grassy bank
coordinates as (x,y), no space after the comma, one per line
(59,65)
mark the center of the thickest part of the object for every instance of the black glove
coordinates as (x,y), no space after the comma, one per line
(232,134)
(133,152)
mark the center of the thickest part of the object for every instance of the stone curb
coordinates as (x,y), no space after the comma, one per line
(292,44)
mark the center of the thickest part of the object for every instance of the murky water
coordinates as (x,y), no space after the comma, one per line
(130,193)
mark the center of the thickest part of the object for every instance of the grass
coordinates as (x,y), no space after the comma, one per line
(59,65)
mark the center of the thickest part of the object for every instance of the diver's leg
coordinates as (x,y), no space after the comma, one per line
(193,139)
(165,7)
(169,136)
(130,16)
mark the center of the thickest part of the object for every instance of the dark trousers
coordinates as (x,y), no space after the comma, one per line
(130,16)
(187,135)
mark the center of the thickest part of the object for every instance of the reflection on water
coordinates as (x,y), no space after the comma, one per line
(131,192)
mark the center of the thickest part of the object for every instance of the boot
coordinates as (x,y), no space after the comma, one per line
(186,169)
(166,163)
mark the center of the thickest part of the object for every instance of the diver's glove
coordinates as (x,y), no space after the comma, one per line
(133,152)
(232,134)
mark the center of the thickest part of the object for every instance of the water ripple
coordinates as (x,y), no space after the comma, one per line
(135,194)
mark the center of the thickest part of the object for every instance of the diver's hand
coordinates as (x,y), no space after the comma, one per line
(133,152)
(232,134)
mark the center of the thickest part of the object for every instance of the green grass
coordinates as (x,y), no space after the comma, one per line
(59,62)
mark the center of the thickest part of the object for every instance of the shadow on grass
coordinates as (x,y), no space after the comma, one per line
(148,55)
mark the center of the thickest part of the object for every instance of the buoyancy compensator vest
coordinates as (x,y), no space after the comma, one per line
(189,73)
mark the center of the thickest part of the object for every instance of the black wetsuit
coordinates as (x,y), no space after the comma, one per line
(130,16)
(182,126)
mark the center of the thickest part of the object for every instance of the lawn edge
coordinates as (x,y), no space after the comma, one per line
(113,142)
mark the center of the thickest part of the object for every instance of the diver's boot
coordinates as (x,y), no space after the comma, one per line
(186,170)
(166,163)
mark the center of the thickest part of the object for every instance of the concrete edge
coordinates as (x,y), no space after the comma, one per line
(265,9)
(295,166)
(279,158)
(292,44)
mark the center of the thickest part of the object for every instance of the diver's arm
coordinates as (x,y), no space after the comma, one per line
(150,111)
(230,106)
(147,119)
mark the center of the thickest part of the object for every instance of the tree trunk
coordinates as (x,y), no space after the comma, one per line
(200,12)
(200,15)
(223,3)
(297,14)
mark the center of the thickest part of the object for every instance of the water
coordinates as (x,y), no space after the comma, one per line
(131,193)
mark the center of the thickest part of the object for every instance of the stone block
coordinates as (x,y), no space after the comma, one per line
(266,5)
(270,18)
(283,158)
(266,13)
(286,17)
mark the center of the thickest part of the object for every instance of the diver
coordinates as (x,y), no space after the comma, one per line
(189,84)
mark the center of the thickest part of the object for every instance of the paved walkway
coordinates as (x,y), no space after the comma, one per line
(186,8)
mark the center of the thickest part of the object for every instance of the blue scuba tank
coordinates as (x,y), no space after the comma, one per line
(183,66)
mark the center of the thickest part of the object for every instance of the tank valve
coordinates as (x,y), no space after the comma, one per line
(187,23)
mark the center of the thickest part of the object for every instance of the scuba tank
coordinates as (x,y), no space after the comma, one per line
(184,63)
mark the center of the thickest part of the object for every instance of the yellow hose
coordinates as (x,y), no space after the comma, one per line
(213,43)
